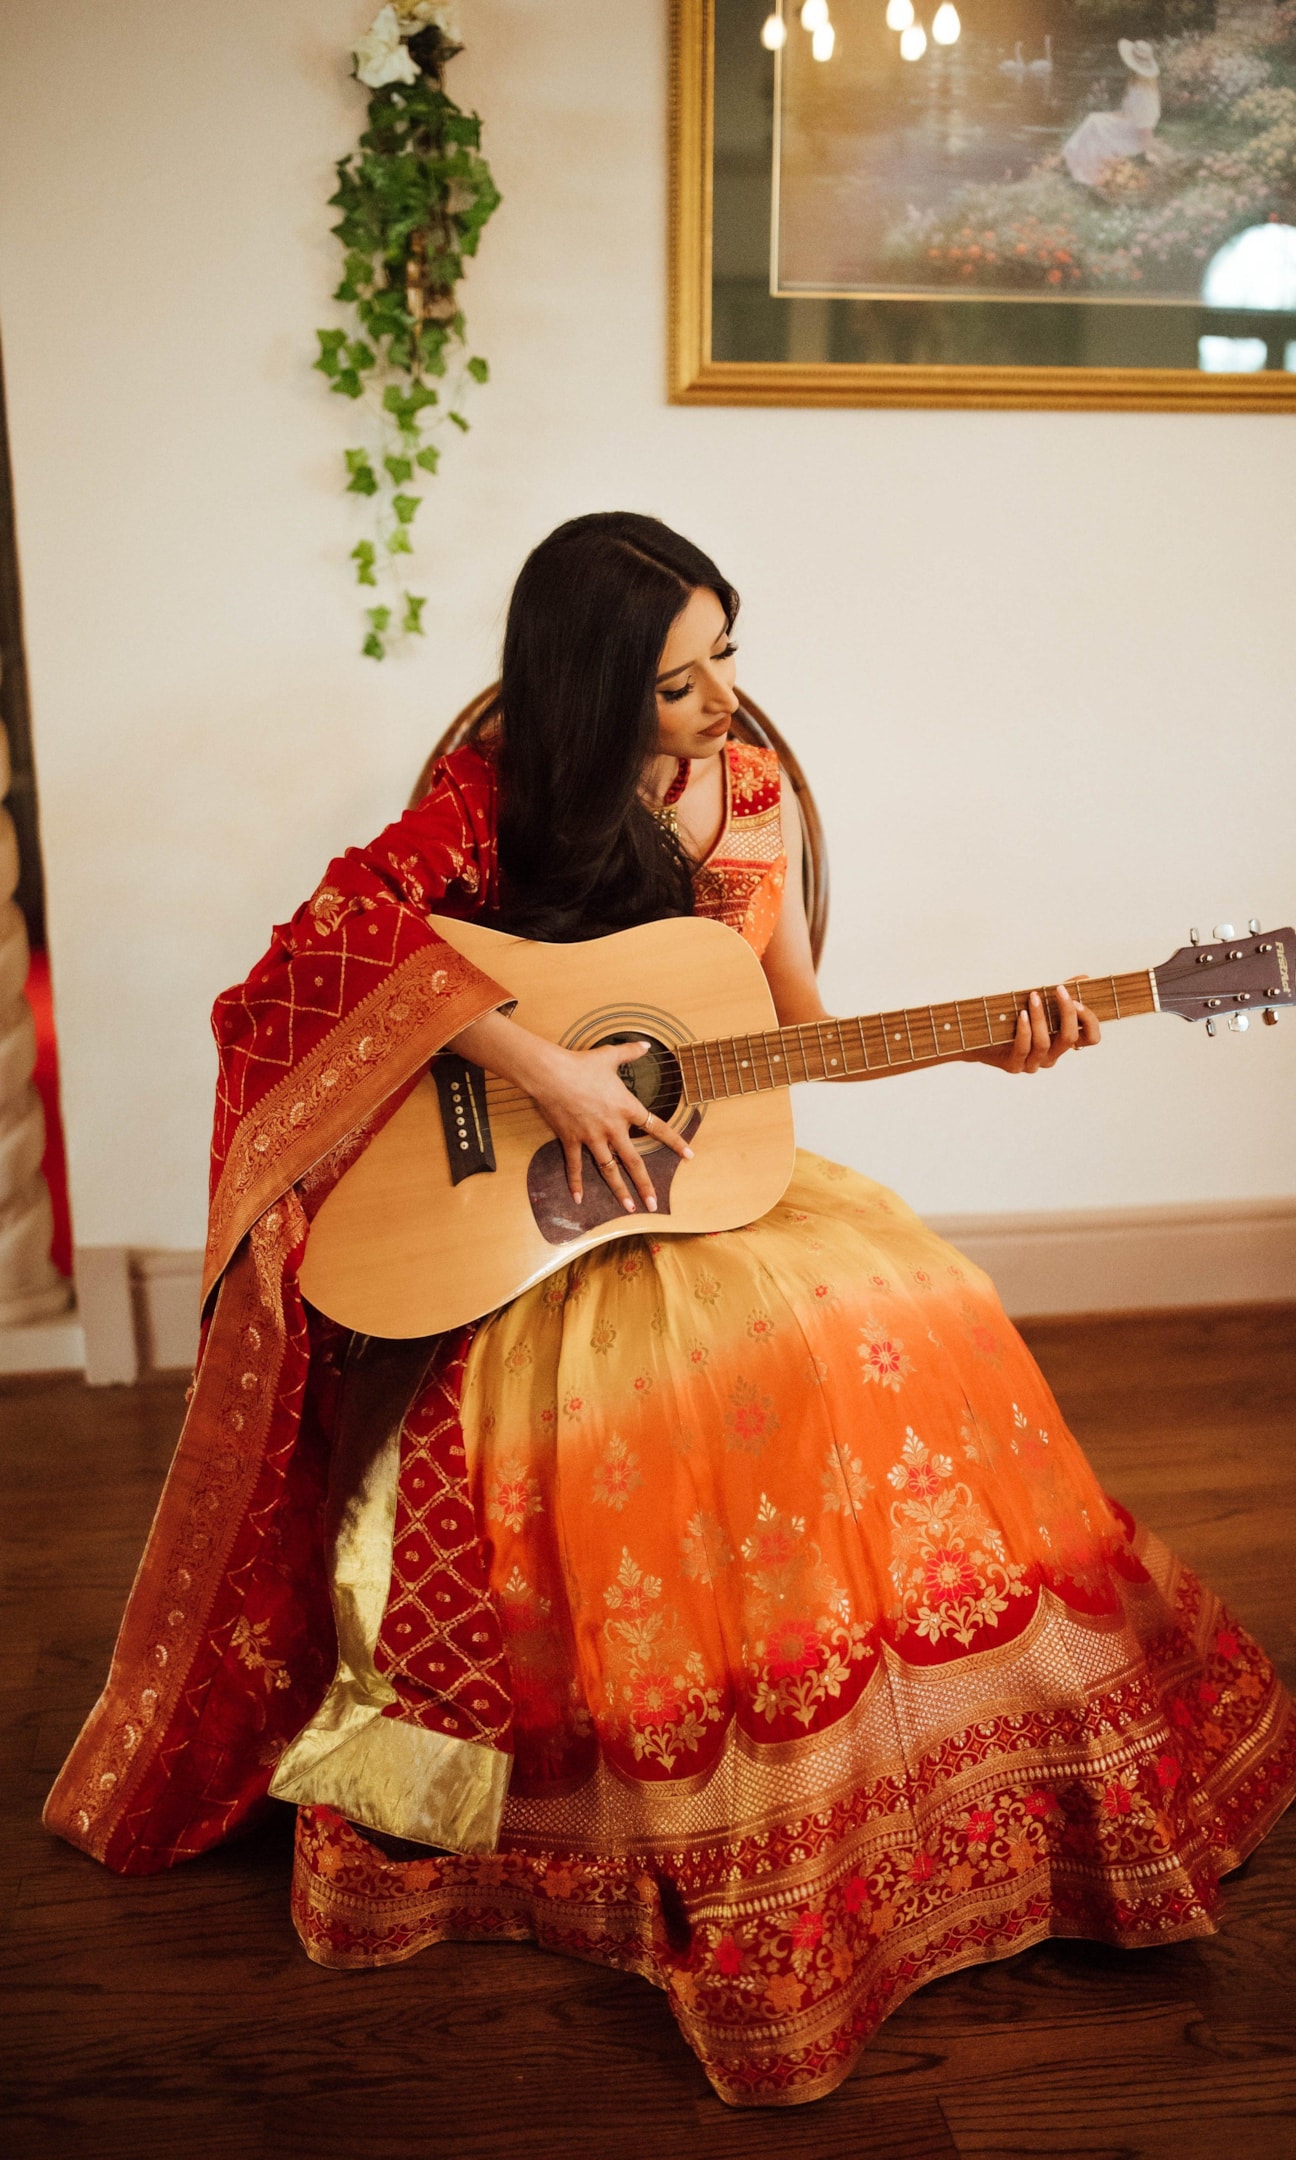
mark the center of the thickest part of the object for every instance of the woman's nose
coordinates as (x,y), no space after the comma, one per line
(720,695)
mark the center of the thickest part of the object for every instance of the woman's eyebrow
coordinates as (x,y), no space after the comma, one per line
(686,664)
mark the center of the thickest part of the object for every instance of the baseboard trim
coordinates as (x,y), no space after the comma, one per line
(139,1309)
(1228,1252)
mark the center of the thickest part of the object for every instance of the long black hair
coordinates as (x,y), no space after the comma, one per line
(580,854)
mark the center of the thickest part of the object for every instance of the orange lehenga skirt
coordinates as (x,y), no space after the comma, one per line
(831,1667)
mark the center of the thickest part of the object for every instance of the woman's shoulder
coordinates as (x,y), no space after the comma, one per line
(469,770)
(754,778)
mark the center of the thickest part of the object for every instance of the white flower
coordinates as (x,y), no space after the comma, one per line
(381,57)
(440,15)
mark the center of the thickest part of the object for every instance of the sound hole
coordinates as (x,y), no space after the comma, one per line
(653,1079)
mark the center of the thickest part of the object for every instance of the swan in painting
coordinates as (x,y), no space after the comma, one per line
(1042,68)
(1015,67)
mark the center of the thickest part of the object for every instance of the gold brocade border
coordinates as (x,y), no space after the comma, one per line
(420,1006)
(203,1504)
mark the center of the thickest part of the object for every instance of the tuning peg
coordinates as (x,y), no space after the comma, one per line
(1210,1027)
(1254,927)
(1223,930)
(1194,937)
(1271,1019)
(1239,1022)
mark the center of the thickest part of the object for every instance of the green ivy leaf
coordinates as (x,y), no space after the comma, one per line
(348,384)
(412,621)
(331,343)
(379,617)
(364,556)
(400,468)
(479,370)
(405,507)
(364,480)
(373,648)
(360,355)
(429,458)
(398,541)
(459,421)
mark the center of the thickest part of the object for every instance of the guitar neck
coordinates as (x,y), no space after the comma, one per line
(890,1041)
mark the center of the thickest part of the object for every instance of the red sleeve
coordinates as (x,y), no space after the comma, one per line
(354,993)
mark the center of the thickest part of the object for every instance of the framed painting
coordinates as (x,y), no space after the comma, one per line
(1087,203)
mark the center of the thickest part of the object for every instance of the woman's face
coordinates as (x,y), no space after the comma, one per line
(695,681)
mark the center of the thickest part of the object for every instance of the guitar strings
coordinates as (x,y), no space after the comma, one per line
(505,1100)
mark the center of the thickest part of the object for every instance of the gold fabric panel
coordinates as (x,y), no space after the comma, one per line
(387,1773)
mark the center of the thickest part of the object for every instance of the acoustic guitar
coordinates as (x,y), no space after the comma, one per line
(461,1200)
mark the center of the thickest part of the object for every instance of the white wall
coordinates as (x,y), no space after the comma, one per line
(1038,665)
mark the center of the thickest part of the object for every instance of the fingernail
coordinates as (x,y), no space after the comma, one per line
(628,1205)
(652,1205)
(688,1152)
(1063,992)
(1035,997)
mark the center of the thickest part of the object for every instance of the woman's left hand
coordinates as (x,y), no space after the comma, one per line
(1033,1048)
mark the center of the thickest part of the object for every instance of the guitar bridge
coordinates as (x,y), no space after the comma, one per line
(465,1118)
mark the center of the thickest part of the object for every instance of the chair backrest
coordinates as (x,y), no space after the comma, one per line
(750,725)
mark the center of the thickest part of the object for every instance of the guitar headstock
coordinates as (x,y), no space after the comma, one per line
(1230,979)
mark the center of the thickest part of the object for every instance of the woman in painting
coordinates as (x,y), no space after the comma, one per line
(1104,138)
(735,1610)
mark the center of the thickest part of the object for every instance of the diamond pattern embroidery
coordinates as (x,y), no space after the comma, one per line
(440,1645)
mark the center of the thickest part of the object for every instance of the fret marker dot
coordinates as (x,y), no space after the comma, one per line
(832,1061)
(897,1035)
(744,1064)
(947,1027)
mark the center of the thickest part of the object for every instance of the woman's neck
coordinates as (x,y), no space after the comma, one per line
(659,777)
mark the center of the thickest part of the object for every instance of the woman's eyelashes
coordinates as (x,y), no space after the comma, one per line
(673,697)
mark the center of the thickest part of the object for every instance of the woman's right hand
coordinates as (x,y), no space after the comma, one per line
(583,1100)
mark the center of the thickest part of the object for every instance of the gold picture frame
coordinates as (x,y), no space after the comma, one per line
(698,376)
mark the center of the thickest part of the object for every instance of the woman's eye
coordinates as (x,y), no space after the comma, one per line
(673,697)
(728,653)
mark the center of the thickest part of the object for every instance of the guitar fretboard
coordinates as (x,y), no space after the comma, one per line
(889,1041)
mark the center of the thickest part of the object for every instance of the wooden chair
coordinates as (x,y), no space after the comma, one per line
(750,725)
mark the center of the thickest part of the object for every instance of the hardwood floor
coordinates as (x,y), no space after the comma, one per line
(177,2015)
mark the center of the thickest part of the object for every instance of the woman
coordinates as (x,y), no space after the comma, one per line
(1104,138)
(732,1610)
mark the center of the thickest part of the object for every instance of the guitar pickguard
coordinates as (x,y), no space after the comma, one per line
(557,1216)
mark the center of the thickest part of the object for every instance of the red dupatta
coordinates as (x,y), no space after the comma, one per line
(227,1645)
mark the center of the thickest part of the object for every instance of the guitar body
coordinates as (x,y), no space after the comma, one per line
(421,1235)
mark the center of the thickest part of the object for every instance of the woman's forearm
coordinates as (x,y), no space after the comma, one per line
(504,1047)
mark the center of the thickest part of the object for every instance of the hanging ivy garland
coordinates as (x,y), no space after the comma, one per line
(413,200)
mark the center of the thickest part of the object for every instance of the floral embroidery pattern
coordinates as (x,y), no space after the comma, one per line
(803,1656)
(845,1487)
(617,1475)
(248,1642)
(950,1571)
(654,1679)
(750,1418)
(704,1548)
(882,1356)
(514,1493)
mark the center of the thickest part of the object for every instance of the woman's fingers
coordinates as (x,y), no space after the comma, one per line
(575,1169)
